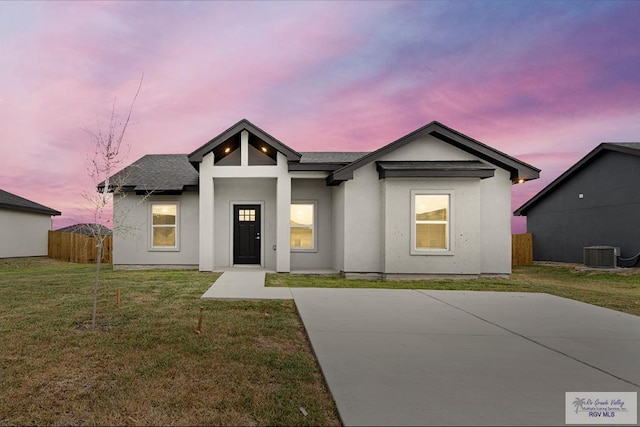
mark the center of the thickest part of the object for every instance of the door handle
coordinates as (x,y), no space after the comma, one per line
(257,236)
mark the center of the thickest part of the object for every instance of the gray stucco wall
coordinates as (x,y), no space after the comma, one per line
(377,230)
(607,214)
(362,222)
(464,257)
(23,234)
(131,243)
(338,227)
(229,191)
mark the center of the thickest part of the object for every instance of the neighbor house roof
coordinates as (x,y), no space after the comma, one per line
(518,169)
(157,173)
(12,202)
(87,229)
(632,148)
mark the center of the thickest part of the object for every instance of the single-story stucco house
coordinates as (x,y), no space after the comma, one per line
(596,202)
(24,226)
(432,202)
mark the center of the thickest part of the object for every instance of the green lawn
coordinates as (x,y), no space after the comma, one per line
(144,365)
(618,291)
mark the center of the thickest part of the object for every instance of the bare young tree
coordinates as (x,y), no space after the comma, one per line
(110,152)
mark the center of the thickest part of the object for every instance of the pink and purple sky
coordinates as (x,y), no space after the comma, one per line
(545,82)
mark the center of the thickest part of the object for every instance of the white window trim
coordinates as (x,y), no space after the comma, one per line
(451,234)
(175,248)
(315,225)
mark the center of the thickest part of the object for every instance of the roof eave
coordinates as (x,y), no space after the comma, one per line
(47,211)
(318,167)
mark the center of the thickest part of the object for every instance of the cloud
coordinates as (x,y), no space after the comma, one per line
(542,81)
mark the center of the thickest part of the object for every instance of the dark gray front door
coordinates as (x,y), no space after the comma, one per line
(246,234)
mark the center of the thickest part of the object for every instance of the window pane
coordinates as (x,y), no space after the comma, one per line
(164,214)
(247,215)
(433,207)
(302,237)
(302,227)
(431,236)
(302,214)
(164,236)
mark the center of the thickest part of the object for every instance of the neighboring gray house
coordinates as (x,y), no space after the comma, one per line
(24,226)
(596,202)
(433,202)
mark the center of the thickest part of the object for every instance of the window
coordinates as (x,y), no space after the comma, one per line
(246,215)
(303,233)
(431,222)
(164,226)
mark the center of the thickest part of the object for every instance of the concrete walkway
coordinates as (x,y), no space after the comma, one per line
(239,285)
(408,357)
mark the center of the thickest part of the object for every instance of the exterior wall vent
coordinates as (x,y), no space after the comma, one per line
(601,256)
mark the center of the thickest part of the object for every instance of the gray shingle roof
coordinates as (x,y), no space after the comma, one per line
(175,173)
(331,157)
(158,173)
(631,145)
(16,203)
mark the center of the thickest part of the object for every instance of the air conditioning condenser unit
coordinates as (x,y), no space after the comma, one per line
(601,256)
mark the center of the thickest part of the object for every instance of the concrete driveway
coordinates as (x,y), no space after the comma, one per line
(403,357)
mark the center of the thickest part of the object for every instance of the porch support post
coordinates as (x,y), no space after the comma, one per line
(283,242)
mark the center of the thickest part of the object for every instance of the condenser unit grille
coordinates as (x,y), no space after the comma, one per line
(600,256)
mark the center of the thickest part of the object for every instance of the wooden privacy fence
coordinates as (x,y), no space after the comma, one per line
(521,249)
(80,248)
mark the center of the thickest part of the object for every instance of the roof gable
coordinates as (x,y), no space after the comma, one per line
(197,155)
(632,148)
(518,170)
(13,202)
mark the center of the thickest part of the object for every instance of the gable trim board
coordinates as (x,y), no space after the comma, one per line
(358,199)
